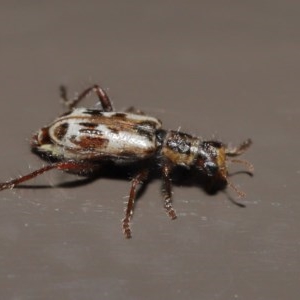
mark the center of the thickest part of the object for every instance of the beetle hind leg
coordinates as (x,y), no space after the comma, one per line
(63,166)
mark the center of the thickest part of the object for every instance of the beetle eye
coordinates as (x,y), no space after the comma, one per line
(211,168)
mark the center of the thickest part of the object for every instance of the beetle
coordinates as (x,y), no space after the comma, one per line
(83,140)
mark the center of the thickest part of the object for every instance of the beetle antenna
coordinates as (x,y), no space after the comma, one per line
(240,193)
(246,163)
(238,150)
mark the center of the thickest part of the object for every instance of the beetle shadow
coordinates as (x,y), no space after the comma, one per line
(181,177)
(107,170)
(68,184)
(211,186)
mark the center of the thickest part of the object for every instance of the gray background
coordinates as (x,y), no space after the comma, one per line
(223,69)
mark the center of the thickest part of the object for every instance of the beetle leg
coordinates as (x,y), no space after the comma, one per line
(64,166)
(136,181)
(167,190)
(102,96)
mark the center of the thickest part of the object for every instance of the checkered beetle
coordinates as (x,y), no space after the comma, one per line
(82,141)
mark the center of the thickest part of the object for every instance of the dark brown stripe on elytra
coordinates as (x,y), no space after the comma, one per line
(144,132)
(90,131)
(93,112)
(147,124)
(120,116)
(89,128)
(146,129)
(88,142)
(88,124)
(61,130)
(44,136)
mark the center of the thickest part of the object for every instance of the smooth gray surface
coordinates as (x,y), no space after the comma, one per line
(228,69)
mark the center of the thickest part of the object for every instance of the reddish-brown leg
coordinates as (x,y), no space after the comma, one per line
(136,181)
(167,190)
(64,166)
(103,97)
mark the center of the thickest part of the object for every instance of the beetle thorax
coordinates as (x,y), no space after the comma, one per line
(180,148)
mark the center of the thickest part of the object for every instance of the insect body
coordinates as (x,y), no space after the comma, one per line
(83,140)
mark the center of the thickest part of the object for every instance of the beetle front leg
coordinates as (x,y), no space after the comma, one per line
(136,181)
(167,190)
(102,96)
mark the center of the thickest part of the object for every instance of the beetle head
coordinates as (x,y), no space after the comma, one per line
(213,158)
